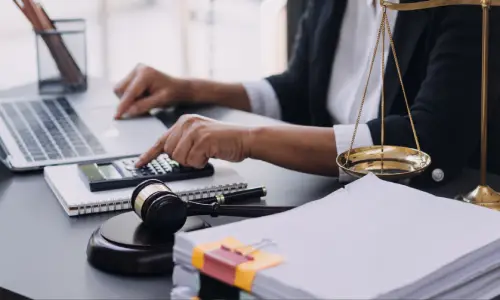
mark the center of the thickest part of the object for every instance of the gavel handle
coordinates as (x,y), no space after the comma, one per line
(250,211)
(216,210)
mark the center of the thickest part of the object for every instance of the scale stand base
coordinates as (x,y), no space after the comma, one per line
(124,246)
(483,196)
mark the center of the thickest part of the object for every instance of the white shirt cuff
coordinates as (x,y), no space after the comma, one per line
(343,137)
(263,99)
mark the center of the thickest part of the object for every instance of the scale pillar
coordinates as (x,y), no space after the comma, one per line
(484,195)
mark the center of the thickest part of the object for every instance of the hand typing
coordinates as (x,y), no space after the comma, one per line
(146,88)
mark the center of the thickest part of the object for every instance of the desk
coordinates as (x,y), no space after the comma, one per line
(43,250)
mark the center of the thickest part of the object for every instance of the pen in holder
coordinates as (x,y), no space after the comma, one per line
(62,57)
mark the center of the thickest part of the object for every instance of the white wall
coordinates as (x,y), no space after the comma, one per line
(122,33)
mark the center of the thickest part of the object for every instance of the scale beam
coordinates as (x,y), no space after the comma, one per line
(435,3)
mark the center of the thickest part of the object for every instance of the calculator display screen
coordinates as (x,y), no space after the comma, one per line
(109,172)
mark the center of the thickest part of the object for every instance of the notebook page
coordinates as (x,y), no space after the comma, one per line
(361,242)
(70,187)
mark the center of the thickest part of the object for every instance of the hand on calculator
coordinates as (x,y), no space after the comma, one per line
(161,165)
(194,139)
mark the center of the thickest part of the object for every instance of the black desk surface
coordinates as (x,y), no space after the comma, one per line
(42,250)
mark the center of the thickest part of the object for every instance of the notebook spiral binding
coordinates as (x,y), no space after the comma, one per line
(188,195)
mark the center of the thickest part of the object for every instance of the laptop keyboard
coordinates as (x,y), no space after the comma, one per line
(49,130)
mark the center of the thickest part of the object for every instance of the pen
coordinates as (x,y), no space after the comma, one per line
(235,196)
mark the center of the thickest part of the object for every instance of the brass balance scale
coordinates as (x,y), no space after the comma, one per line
(396,162)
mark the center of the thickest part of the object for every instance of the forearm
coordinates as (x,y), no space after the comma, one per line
(232,95)
(301,148)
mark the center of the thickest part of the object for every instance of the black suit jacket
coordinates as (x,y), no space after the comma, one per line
(439,52)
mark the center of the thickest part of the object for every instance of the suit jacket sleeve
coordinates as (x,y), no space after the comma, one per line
(447,108)
(291,86)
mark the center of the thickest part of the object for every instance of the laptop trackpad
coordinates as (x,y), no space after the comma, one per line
(124,136)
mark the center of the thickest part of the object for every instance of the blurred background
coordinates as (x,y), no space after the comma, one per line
(228,40)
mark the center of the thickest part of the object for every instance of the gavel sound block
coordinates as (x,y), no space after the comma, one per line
(141,242)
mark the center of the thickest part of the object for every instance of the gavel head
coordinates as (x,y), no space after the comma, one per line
(159,208)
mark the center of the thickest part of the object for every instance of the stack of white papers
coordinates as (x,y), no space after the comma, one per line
(372,239)
(186,283)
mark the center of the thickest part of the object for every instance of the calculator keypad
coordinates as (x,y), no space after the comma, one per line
(161,165)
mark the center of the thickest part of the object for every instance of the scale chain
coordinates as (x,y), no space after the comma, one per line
(402,85)
(381,32)
(382,103)
(365,90)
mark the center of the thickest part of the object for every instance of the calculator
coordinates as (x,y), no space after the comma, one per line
(122,173)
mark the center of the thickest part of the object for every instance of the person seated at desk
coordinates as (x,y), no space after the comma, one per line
(439,52)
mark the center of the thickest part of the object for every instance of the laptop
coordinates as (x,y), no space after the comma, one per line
(40,131)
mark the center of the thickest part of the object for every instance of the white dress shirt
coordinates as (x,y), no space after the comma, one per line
(349,74)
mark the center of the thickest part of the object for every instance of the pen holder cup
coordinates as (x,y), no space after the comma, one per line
(62,57)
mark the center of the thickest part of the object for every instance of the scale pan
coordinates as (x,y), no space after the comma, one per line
(398,163)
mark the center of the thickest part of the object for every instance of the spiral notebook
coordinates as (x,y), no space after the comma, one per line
(77,199)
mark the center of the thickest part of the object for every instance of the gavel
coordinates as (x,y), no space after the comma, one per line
(161,209)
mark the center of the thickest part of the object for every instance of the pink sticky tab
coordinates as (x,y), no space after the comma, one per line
(221,264)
